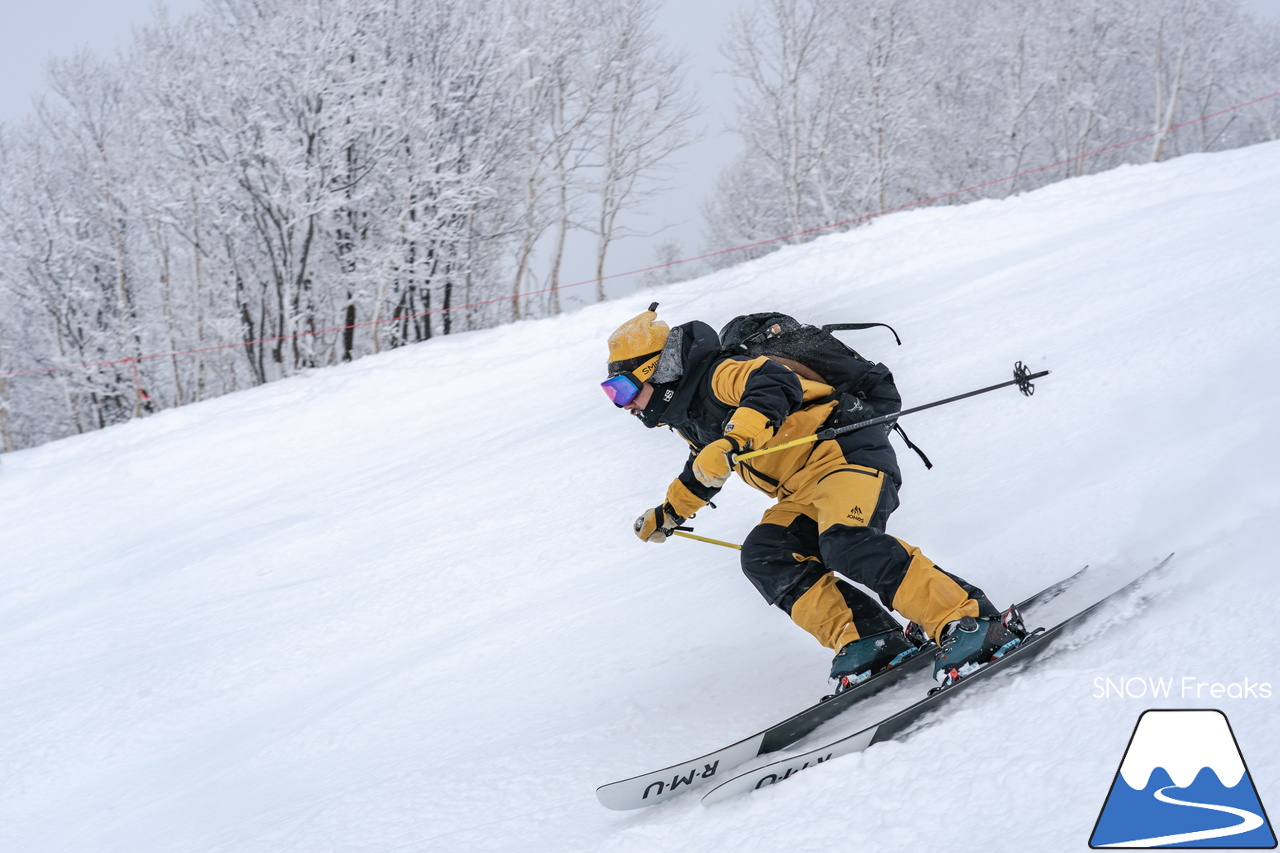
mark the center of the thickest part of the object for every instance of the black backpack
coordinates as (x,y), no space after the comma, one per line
(866,387)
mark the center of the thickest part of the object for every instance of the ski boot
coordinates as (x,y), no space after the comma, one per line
(968,643)
(863,658)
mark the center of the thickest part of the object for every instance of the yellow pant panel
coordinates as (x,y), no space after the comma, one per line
(835,492)
(928,597)
(847,496)
(823,612)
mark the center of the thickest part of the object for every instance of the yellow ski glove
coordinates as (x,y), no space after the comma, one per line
(712,465)
(748,428)
(657,524)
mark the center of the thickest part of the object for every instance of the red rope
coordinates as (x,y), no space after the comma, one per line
(134,360)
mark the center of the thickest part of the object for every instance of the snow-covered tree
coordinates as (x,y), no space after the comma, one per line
(847,109)
(274,185)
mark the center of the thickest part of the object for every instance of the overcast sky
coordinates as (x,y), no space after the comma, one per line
(32,32)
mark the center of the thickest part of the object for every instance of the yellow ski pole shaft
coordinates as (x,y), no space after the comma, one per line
(687,535)
(738,457)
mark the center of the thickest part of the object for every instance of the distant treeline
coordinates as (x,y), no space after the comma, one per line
(850,108)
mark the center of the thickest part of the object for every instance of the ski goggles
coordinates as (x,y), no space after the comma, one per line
(621,389)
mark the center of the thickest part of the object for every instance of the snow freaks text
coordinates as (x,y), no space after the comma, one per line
(1178,687)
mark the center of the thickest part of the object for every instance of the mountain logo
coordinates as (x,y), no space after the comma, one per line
(1183,783)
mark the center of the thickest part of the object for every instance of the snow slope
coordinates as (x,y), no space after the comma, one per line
(397,605)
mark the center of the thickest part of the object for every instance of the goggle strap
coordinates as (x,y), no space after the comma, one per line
(627,365)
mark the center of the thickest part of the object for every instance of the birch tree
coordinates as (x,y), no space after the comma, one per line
(647,110)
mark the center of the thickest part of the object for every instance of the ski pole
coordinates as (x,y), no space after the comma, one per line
(683,531)
(1021,377)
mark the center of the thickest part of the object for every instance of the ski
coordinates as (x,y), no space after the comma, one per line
(896,724)
(661,785)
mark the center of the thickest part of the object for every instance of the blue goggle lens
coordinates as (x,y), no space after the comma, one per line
(621,389)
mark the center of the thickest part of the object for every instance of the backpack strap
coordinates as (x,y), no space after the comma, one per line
(854,327)
(897,427)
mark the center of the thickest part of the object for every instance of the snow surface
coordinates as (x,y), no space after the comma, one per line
(397,605)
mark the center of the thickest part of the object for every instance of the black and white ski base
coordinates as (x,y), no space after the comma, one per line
(661,785)
(894,725)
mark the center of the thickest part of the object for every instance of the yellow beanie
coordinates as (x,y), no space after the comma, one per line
(634,348)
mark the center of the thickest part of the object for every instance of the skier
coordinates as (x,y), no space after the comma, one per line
(834,499)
